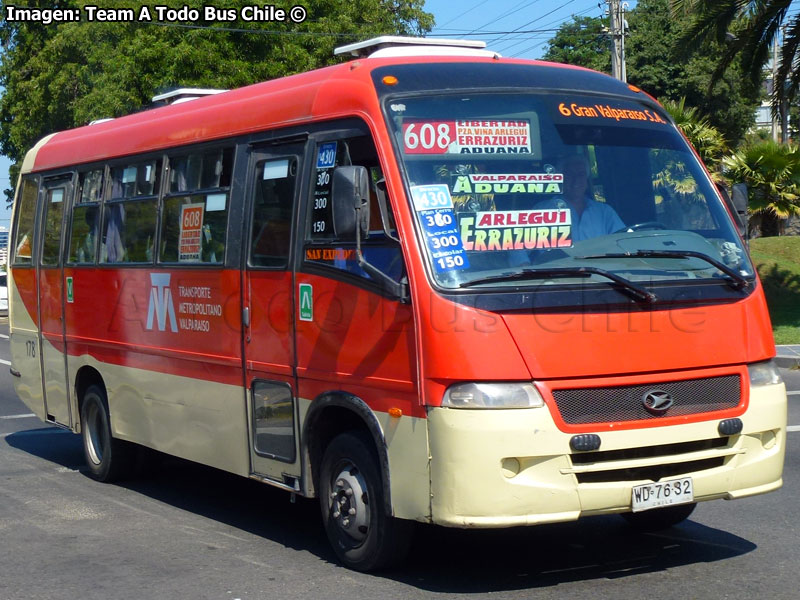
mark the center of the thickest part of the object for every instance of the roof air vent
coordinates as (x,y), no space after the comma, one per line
(392,45)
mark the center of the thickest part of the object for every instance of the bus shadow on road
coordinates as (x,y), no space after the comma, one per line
(55,445)
(595,548)
(441,559)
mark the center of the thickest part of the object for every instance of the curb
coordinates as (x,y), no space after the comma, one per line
(787,362)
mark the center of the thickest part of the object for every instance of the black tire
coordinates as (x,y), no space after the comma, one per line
(660,518)
(107,458)
(351,497)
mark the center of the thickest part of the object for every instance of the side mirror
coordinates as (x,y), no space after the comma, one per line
(737,205)
(740,196)
(350,202)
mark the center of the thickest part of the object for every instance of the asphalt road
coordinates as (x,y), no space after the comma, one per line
(190,532)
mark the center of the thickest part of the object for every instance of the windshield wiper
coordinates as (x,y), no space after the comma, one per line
(737,281)
(634,290)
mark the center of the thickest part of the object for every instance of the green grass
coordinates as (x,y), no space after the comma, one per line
(778,262)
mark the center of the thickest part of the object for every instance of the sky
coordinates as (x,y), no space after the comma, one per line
(514,28)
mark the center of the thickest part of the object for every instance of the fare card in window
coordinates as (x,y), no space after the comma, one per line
(435,209)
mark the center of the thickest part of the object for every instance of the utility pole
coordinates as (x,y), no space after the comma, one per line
(783,109)
(616,12)
(774,83)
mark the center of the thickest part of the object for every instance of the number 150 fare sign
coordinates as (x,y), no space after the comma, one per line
(435,209)
(466,137)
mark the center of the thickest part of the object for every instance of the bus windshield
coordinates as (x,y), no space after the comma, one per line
(510,188)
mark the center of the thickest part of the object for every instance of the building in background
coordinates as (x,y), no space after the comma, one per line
(3,246)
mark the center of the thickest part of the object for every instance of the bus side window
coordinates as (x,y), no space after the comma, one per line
(55,198)
(86,218)
(272,212)
(194,220)
(26,214)
(322,247)
(129,232)
(137,179)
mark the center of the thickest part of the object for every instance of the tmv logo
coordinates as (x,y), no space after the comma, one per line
(160,304)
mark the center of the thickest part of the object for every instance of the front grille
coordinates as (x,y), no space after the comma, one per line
(654,473)
(624,403)
(602,456)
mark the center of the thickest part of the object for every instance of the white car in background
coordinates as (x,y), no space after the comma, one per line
(3,294)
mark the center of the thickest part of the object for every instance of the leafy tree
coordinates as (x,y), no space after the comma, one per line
(64,76)
(581,42)
(654,63)
(753,26)
(772,174)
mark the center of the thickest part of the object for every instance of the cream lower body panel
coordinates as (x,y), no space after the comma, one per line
(409,476)
(503,468)
(202,421)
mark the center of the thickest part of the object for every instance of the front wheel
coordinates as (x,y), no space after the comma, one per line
(108,458)
(660,518)
(351,497)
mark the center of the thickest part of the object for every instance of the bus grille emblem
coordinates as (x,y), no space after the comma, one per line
(657,402)
(160,304)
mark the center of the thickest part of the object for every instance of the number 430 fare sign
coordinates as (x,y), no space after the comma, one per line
(435,209)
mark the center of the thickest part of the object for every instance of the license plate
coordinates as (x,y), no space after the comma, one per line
(663,493)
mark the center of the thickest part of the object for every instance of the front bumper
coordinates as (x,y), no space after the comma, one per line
(503,468)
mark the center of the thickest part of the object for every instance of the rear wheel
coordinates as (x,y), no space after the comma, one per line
(351,497)
(108,459)
(660,518)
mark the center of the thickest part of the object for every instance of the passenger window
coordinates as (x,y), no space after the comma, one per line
(201,171)
(91,186)
(272,212)
(129,226)
(26,215)
(55,198)
(322,247)
(135,179)
(193,229)
(129,232)
(194,225)
(86,219)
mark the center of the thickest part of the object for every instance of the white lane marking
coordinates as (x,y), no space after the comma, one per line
(25,416)
(795,393)
(793,428)
(4,336)
(5,362)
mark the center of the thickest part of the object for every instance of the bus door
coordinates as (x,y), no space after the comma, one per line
(23,293)
(269,351)
(55,193)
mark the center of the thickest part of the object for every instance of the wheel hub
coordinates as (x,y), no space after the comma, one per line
(350,503)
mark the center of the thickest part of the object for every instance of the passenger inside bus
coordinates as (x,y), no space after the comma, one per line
(86,250)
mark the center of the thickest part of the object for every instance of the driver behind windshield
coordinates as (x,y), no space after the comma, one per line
(590,218)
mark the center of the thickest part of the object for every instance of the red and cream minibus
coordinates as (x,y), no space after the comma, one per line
(429,284)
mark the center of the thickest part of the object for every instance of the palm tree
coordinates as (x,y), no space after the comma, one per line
(706,139)
(772,174)
(749,27)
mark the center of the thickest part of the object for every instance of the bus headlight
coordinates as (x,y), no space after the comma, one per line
(492,395)
(764,373)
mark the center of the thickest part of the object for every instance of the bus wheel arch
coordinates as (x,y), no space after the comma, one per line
(334,413)
(85,377)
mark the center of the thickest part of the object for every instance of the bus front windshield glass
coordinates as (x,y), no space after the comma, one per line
(509,188)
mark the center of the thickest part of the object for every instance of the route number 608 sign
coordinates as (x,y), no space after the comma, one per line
(429,137)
